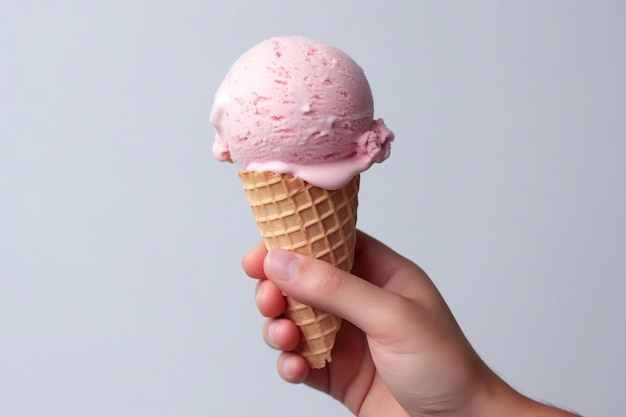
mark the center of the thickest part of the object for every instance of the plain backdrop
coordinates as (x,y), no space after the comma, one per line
(121,292)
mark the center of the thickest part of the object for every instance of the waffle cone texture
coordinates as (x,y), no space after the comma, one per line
(294,215)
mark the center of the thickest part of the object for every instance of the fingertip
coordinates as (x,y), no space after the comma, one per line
(252,262)
(281,334)
(269,299)
(292,367)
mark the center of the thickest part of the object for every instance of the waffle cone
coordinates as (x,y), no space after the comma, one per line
(294,215)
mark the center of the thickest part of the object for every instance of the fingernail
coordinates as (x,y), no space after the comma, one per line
(271,332)
(282,264)
(287,368)
(257,293)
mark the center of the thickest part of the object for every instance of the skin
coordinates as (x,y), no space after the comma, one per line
(399,352)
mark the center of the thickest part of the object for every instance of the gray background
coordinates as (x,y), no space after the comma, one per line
(121,292)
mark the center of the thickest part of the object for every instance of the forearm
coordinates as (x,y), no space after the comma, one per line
(536,409)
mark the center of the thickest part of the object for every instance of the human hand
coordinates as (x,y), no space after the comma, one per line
(399,351)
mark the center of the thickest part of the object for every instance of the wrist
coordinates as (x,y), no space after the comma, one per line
(496,398)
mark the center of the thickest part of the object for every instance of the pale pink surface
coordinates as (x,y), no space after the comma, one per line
(297,106)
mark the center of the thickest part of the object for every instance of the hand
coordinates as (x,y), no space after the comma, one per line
(399,351)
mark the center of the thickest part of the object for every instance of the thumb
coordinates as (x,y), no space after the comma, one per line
(320,284)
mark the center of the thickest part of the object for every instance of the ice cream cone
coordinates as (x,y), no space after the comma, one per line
(294,215)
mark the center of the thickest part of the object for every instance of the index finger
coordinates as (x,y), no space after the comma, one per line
(252,262)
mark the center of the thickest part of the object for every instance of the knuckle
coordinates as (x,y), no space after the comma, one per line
(323,278)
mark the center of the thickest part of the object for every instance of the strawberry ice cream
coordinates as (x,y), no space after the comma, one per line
(296,106)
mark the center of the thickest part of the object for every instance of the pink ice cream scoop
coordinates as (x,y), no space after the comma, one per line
(296,106)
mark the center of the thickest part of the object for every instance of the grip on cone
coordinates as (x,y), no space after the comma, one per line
(294,215)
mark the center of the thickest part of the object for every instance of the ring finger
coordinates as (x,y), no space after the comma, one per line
(281,334)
